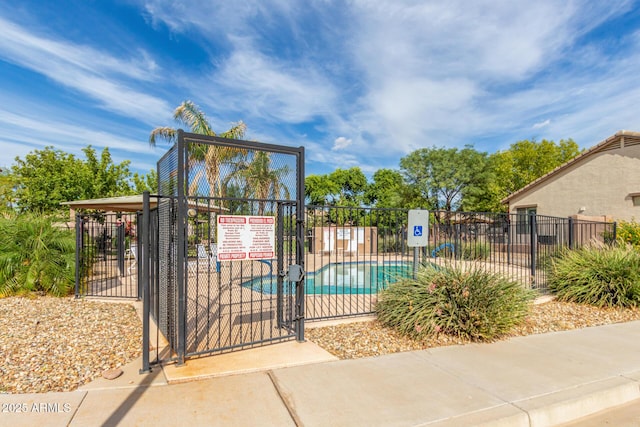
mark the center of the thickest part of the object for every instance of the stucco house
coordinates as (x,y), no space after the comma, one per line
(602,183)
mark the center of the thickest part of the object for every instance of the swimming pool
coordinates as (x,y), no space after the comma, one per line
(341,278)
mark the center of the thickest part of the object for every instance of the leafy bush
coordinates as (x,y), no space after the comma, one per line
(475,251)
(35,256)
(544,259)
(600,276)
(628,233)
(474,304)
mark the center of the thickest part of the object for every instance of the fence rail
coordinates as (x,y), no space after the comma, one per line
(518,246)
(204,305)
(353,253)
(106,255)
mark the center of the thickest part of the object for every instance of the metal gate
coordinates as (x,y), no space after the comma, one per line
(204,297)
(106,249)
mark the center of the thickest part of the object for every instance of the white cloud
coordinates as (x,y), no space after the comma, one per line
(341,143)
(24,132)
(393,75)
(397,75)
(92,72)
(541,124)
(267,88)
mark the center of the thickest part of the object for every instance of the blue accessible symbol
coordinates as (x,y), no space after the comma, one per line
(417,230)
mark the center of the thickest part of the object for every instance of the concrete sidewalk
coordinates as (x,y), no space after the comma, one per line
(537,380)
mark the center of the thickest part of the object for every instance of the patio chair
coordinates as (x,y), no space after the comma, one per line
(203,258)
(214,255)
(131,254)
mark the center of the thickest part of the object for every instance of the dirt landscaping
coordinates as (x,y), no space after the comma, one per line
(58,344)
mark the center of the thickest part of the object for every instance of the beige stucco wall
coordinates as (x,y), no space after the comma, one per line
(600,183)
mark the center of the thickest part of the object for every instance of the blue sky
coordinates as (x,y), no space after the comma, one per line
(358,83)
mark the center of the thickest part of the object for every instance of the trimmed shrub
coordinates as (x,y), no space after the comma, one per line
(473,304)
(600,276)
(475,251)
(628,233)
(35,256)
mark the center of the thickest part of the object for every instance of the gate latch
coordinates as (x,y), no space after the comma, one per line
(295,273)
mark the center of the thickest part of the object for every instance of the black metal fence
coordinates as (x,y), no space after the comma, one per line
(352,254)
(204,297)
(106,255)
(203,304)
(518,246)
(320,262)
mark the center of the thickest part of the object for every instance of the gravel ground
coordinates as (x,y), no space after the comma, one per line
(59,344)
(364,339)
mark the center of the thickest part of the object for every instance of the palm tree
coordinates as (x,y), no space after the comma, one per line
(262,182)
(212,156)
(35,256)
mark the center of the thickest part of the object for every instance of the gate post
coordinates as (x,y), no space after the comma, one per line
(509,238)
(181,262)
(571,237)
(139,246)
(143,281)
(280,267)
(120,250)
(300,255)
(533,243)
(79,248)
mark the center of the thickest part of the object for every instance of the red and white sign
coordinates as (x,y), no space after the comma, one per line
(246,237)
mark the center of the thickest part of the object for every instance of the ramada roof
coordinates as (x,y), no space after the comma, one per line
(133,204)
(615,141)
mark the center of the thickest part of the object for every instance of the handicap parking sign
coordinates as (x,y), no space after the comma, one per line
(418,228)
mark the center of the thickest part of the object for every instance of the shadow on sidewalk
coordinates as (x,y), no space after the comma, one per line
(137,392)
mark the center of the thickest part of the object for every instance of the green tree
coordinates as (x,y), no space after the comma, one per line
(44,178)
(442,176)
(148,182)
(212,157)
(344,187)
(7,190)
(105,178)
(527,160)
(319,189)
(388,189)
(352,183)
(262,182)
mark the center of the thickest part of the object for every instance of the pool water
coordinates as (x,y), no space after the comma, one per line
(340,278)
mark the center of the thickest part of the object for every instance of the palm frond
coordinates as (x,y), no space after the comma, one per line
(237,131)
(166,133)
(191,115)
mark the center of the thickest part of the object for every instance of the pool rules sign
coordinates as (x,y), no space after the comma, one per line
(245,237)
(418,228)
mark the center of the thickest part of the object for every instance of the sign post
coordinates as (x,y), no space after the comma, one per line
(418,233)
